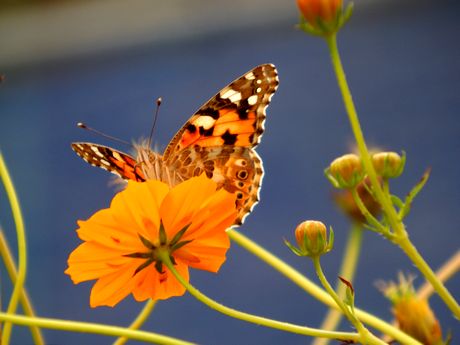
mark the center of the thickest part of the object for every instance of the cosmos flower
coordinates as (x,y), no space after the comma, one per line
(122,243)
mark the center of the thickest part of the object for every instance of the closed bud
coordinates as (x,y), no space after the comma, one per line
(323,17)
(311,237)
(346,171)
(388,164)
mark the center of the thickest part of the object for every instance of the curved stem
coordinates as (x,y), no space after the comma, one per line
(22,248)
(7,257)
(77,326)
(366,336)
(139,321)
(348,269)
(365,212)
(307,285)
(399,230)
(284,326)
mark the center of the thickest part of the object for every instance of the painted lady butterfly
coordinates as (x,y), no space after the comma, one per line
(219,140)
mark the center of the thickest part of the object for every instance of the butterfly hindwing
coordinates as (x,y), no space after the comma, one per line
(236,169)
(109,159)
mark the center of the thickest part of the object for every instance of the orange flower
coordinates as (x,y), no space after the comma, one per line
(121,243)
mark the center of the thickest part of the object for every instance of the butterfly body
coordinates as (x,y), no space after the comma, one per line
(218,140)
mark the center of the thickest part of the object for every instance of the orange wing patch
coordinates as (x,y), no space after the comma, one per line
(228,129)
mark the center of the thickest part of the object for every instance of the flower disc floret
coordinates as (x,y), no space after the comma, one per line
(124,243)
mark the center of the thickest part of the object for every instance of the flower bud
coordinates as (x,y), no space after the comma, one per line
(388,164)
(346,171)
(314,10)
(311,237)
(322,17)
(413,314)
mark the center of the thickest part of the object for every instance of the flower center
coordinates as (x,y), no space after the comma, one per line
(156,251)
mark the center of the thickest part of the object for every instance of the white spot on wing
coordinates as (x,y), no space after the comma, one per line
(252,100)
(117,156)
(232,95)
(250,76)
(204,121)
(96,151)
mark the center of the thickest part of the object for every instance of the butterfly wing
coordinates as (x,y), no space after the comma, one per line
(116,162)
(219,138)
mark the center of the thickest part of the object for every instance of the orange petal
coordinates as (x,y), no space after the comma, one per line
(217,214)
(112,288)
(183,201)
(154,285)
(92,261)
(139,201)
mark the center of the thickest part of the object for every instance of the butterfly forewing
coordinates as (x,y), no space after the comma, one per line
(116,162)
(234,116)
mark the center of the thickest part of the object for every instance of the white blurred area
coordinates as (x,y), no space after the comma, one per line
(34,31)
(40,31)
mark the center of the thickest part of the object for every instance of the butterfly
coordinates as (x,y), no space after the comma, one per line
(218,140)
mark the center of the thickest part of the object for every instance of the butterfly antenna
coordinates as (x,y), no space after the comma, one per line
(159,100)
(84,126)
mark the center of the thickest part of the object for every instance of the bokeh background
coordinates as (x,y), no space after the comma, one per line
(105,63)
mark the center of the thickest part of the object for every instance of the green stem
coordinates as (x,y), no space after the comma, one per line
(22,248)
(366,336)
(86,327)
(367,215)
(348,270)
(444,273)
(307,285)
(7,257)
(139,321)
(258,320)
(399,230)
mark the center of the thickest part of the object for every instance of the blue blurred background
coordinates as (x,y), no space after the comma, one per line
(105,63)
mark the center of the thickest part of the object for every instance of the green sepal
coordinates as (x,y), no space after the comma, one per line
(179,235)
(331,178)
(338,181)
(404,211)
(397,201)
(159,267)
(330,242)
(139,255)
(144,265)
(179,245)
(163,237)
(146,242)
(345,15)
(349,294)
(293,248)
